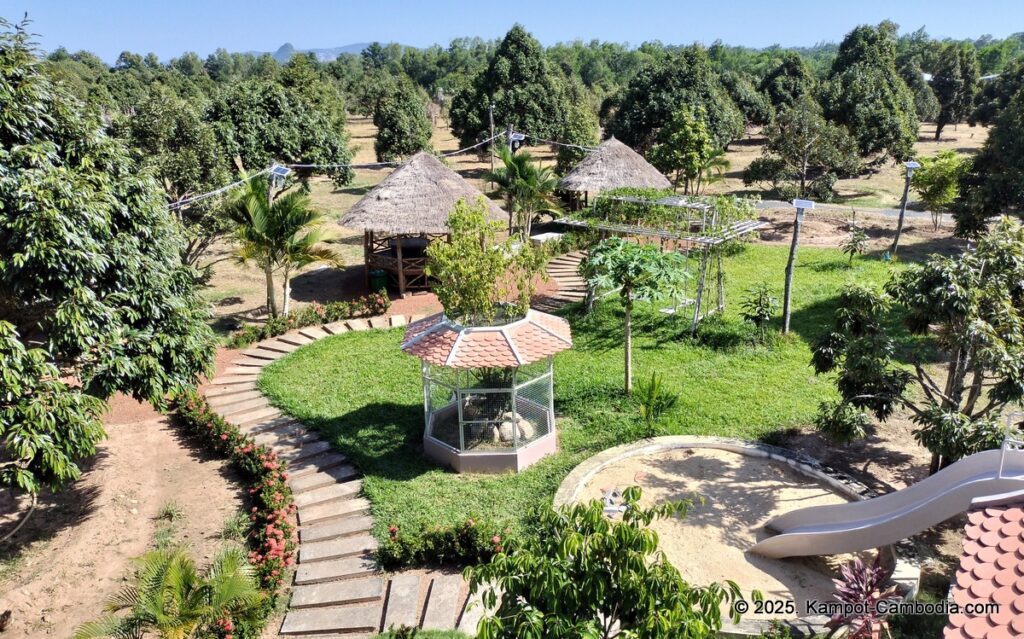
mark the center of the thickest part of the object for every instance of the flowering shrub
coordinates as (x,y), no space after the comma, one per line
(315,314)
(471,542)
(272,539)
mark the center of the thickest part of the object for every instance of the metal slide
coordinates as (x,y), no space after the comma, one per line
(885,520)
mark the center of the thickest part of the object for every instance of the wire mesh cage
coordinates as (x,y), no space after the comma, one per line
(488,409)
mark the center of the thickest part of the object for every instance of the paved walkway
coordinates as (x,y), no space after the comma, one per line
(339,591)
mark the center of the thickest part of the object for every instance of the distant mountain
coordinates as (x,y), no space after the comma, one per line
(287,50)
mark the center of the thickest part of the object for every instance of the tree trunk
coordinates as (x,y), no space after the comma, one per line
(271,293)
(787,297)
(629,345)
(287,290)
(935,464)
(591,297)
(939,125)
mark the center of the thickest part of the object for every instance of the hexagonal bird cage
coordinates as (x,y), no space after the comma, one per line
(487,390)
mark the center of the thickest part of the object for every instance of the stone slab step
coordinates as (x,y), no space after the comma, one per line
(223,401)
(379,322)
(294,435)
(313,332)
(241,371)
(321,478)
(277,346)
(235,380)
(336,328)
(301,469)
(243,406)
(335,529)
(346,619)
(442,607)
(472,612)
(253,362)
(334,593)
(399,320)
(357,324)
(215,389)
(330,510)
(255,415)
(269,424)
(340,490)
(417,317)
(335,570)
(403,602)
(295,339)
(353,546)
(259,353)
(295,453)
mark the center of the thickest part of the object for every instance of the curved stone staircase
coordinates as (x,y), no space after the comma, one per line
(339,591)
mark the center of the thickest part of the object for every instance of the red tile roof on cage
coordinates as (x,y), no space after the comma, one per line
(443,342)
(991,571)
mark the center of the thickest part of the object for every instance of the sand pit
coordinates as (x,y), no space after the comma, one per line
(741,493)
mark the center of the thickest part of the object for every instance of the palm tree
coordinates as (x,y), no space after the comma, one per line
(528,188)
(712,169)
(172,600)
(277,234)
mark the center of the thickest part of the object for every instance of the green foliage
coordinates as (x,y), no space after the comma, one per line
(926,105)
(995,181)
(403,127)
(788,81)
(938,181)
(653,400)
(316,314)
(472,542)
(478,278)
(684,148)
(996,94)
(856,243)
(841,422)
(655,93)
(865,94)
(528,187)
(526,93)
(581,129)
(171,599)
(758,307)
(619,579)
(90,265)
(803,147)
(955,84)
(754,105)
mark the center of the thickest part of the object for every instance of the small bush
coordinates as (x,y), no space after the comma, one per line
(758,307)
(856,244)
(472,542)
(315,314)
(841,422)
(653,400)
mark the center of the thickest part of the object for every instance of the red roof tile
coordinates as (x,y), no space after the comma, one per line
(442,342)
(991,570)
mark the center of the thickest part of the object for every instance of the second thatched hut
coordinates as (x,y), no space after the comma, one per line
(611,165)
(404,213)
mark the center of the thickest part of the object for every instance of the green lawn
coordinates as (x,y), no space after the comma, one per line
(366,396)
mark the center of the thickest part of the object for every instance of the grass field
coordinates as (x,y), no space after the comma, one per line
(727,385)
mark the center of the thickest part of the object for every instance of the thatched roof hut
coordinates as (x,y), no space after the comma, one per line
(613,165)
(415,199)
(404,213)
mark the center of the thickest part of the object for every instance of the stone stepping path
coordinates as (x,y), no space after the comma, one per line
(339,591)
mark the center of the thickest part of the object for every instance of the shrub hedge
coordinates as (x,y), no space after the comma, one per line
(313,315)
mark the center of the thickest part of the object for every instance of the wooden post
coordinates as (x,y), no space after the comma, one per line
(367,244)
(903,207)
(490,115)
(787,297)
(401,266)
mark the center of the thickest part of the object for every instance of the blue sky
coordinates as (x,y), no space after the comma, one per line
(168,28)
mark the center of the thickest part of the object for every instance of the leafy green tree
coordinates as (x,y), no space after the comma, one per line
(684,148)
(622,585)
(636,271)
(754,105)
(171,599)
(477,276)
(403,127)
(996,94)
(789,80)
(283,234)
(865,94)
(526,92)
(655,93)
(528,187)
(972,305)
(926,105)
(855,244)
(169,138)
(581,129)
(260,121)
(955,83)
(803,147)
(994,183)
(758,307)
(937,182)
(90,272)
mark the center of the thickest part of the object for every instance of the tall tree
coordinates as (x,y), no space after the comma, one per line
(866,94)
(926,105)
(754,105)
(684,147)
(580,129)
(90,276)
(655,93)
(526,92)
(972,306)
(997,93)
(403,127)
(788,80)
(955,83)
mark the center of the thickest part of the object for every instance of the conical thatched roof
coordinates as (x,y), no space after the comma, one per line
(417,197)
(611,166)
